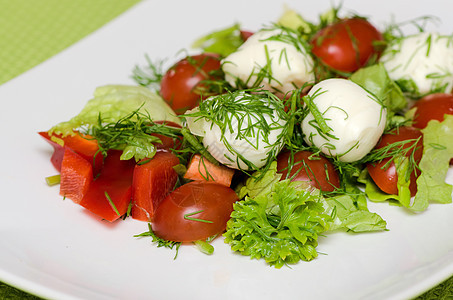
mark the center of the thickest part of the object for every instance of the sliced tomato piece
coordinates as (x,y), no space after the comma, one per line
(80,144)
(76,176)
(152,182)
(109,195)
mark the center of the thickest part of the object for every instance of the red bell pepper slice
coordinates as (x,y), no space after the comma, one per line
(109,195)
(152,182)
(76,176)
(80,144)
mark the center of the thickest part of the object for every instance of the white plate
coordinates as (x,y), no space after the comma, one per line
(55,249)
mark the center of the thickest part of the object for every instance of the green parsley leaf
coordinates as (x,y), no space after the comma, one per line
(281,226)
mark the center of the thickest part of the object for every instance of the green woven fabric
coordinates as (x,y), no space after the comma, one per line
(31,31)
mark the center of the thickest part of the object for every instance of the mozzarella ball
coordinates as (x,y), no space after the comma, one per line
(355,117)
(247,137)
(275,60)
(421,63)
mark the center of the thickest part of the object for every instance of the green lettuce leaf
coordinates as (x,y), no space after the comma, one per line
(260,182)
(434,165)
(348,216)
(113,102)
(223,42)
(376,80)
(293,20)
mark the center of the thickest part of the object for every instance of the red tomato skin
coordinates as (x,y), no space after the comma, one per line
(76,176)
(179,83)
(167,142)
(80,144)
(319,173)
(346,45)
(245,34)
(386,179)
(115,179)
(212,201)
(432,107)
(152,182)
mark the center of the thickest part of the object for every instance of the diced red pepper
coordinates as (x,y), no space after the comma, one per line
(109,195)
(153,181)
(76,176)
(80,144)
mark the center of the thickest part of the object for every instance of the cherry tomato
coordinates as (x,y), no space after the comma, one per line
(245,34)
(168,143)
(432,107)
(346,45)
(317,170)
(194,211)
(386,178)
(182,85)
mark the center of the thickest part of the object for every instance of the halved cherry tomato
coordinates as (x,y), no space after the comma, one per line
(195,211)
(304,166)
(152,182)
(80,144)
(110,193)
(182,85)
(346,45)
(432,107)
(386,178)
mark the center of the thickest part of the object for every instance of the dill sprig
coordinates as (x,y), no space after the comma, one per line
(247,114)
(395,153)
(150,75)
(159,241)
(397,30)
(133,134)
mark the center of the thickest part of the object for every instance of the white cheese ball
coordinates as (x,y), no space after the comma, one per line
(355,117)
(421,63)
(244,145)
(275,60)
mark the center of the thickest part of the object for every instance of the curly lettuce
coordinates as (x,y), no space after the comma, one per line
(280,221)
(282,226)
(434,165)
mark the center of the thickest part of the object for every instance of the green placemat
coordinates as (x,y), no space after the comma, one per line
(31,31)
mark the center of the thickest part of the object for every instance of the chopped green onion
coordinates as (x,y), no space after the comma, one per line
(53,180)
(204,247)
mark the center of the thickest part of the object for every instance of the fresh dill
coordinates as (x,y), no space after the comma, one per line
(150,75)
(134,134)
(159,241)
(249,115)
